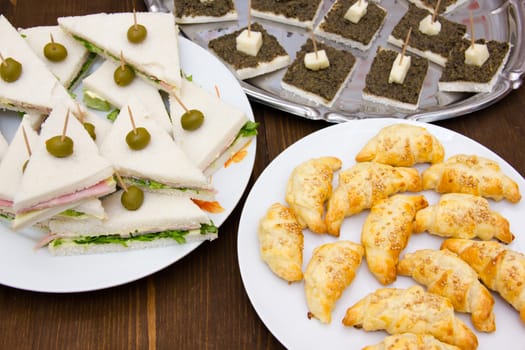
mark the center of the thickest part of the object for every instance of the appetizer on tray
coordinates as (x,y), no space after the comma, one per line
(204,11)
(301,13)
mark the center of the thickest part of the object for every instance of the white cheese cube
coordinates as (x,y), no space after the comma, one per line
(476,54)
(356,11)
(316,62)
(399,70)
(427,27)
(249,42)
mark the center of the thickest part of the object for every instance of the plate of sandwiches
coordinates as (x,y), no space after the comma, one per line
(369,237)
(367,36)
(108,176)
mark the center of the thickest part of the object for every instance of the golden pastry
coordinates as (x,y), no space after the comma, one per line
(460,215)
(386,232)
(329,272)
(410,341)
(309,187)
(471,174)
(281,242)
(499,268)
(364,184)
(444,273)
(402,145)
(411,310)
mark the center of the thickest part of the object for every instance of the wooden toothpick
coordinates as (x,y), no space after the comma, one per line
(121,182)
(121,60)
(132,121)
(80,113)
(26,141)
(315,44)
(436,10)
(52,39)
(180,102)
(65,126)
(2,58)
(405,45)
(249,17)
(217,92)
(472,37)
(134,18)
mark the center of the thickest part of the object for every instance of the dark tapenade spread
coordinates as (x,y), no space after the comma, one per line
(226,48)
(362,31)
(442,43)
(457,70)
(195,8)
(324,82)
(377,78)
(303,10)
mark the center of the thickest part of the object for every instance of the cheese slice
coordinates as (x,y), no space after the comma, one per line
(156,59)
(426,26)
(399,69)
(316,60)
(476,54)
(67,70)
(249,42)
(356,11)
(101,84)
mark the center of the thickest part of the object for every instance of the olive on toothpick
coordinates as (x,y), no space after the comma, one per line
(191,119)
(54,51)
(10,69)
(132,197)
(124,74)
(137,138)
(137,33)
(60,146)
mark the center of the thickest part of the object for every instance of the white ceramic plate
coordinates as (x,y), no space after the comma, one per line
(282,306)
(23,267)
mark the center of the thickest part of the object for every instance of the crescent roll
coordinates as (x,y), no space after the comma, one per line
(499,268)
(309,187)
(460,215)
(471,174)
(281,242)
(410,341)
(402,145)
(364,184)
(411,310)
(444,273)
(330,271)
(386,232)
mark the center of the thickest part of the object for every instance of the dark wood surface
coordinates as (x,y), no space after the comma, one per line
(198,302)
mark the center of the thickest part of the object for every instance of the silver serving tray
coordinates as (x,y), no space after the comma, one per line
(501,20)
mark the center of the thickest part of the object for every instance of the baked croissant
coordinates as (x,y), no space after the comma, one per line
(471,174)
(402,145)
(330,271)
(281,242)
(411,310)
(410,341)
(364,184)
(499,268)
(460,215)
(309,187)
(386,232)
(444,273)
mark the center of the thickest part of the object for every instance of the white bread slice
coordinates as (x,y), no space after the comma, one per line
(156,59)
(47,177)
(13,162)
(390,102)
(429,55)
(102,83)
(3,146)
(68,69)
(222,123)
(263,67)
(92,208)
(37,90)
(162,160)
(451,7)
(158,213)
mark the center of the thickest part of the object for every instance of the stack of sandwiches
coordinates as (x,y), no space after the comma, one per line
(76,200)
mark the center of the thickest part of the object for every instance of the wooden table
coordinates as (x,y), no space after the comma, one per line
(198,302)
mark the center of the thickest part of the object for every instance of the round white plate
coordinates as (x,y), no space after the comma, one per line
(23,267)
(282,306)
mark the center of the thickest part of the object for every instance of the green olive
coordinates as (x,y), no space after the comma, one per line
(192,120)
(124,75)
(10,70)
(90,128)
(138,139)
(55,52)
(58,147)
(133,198)
(24,166)
(137,33)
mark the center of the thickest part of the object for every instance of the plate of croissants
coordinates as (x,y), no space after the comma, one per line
(386,234)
